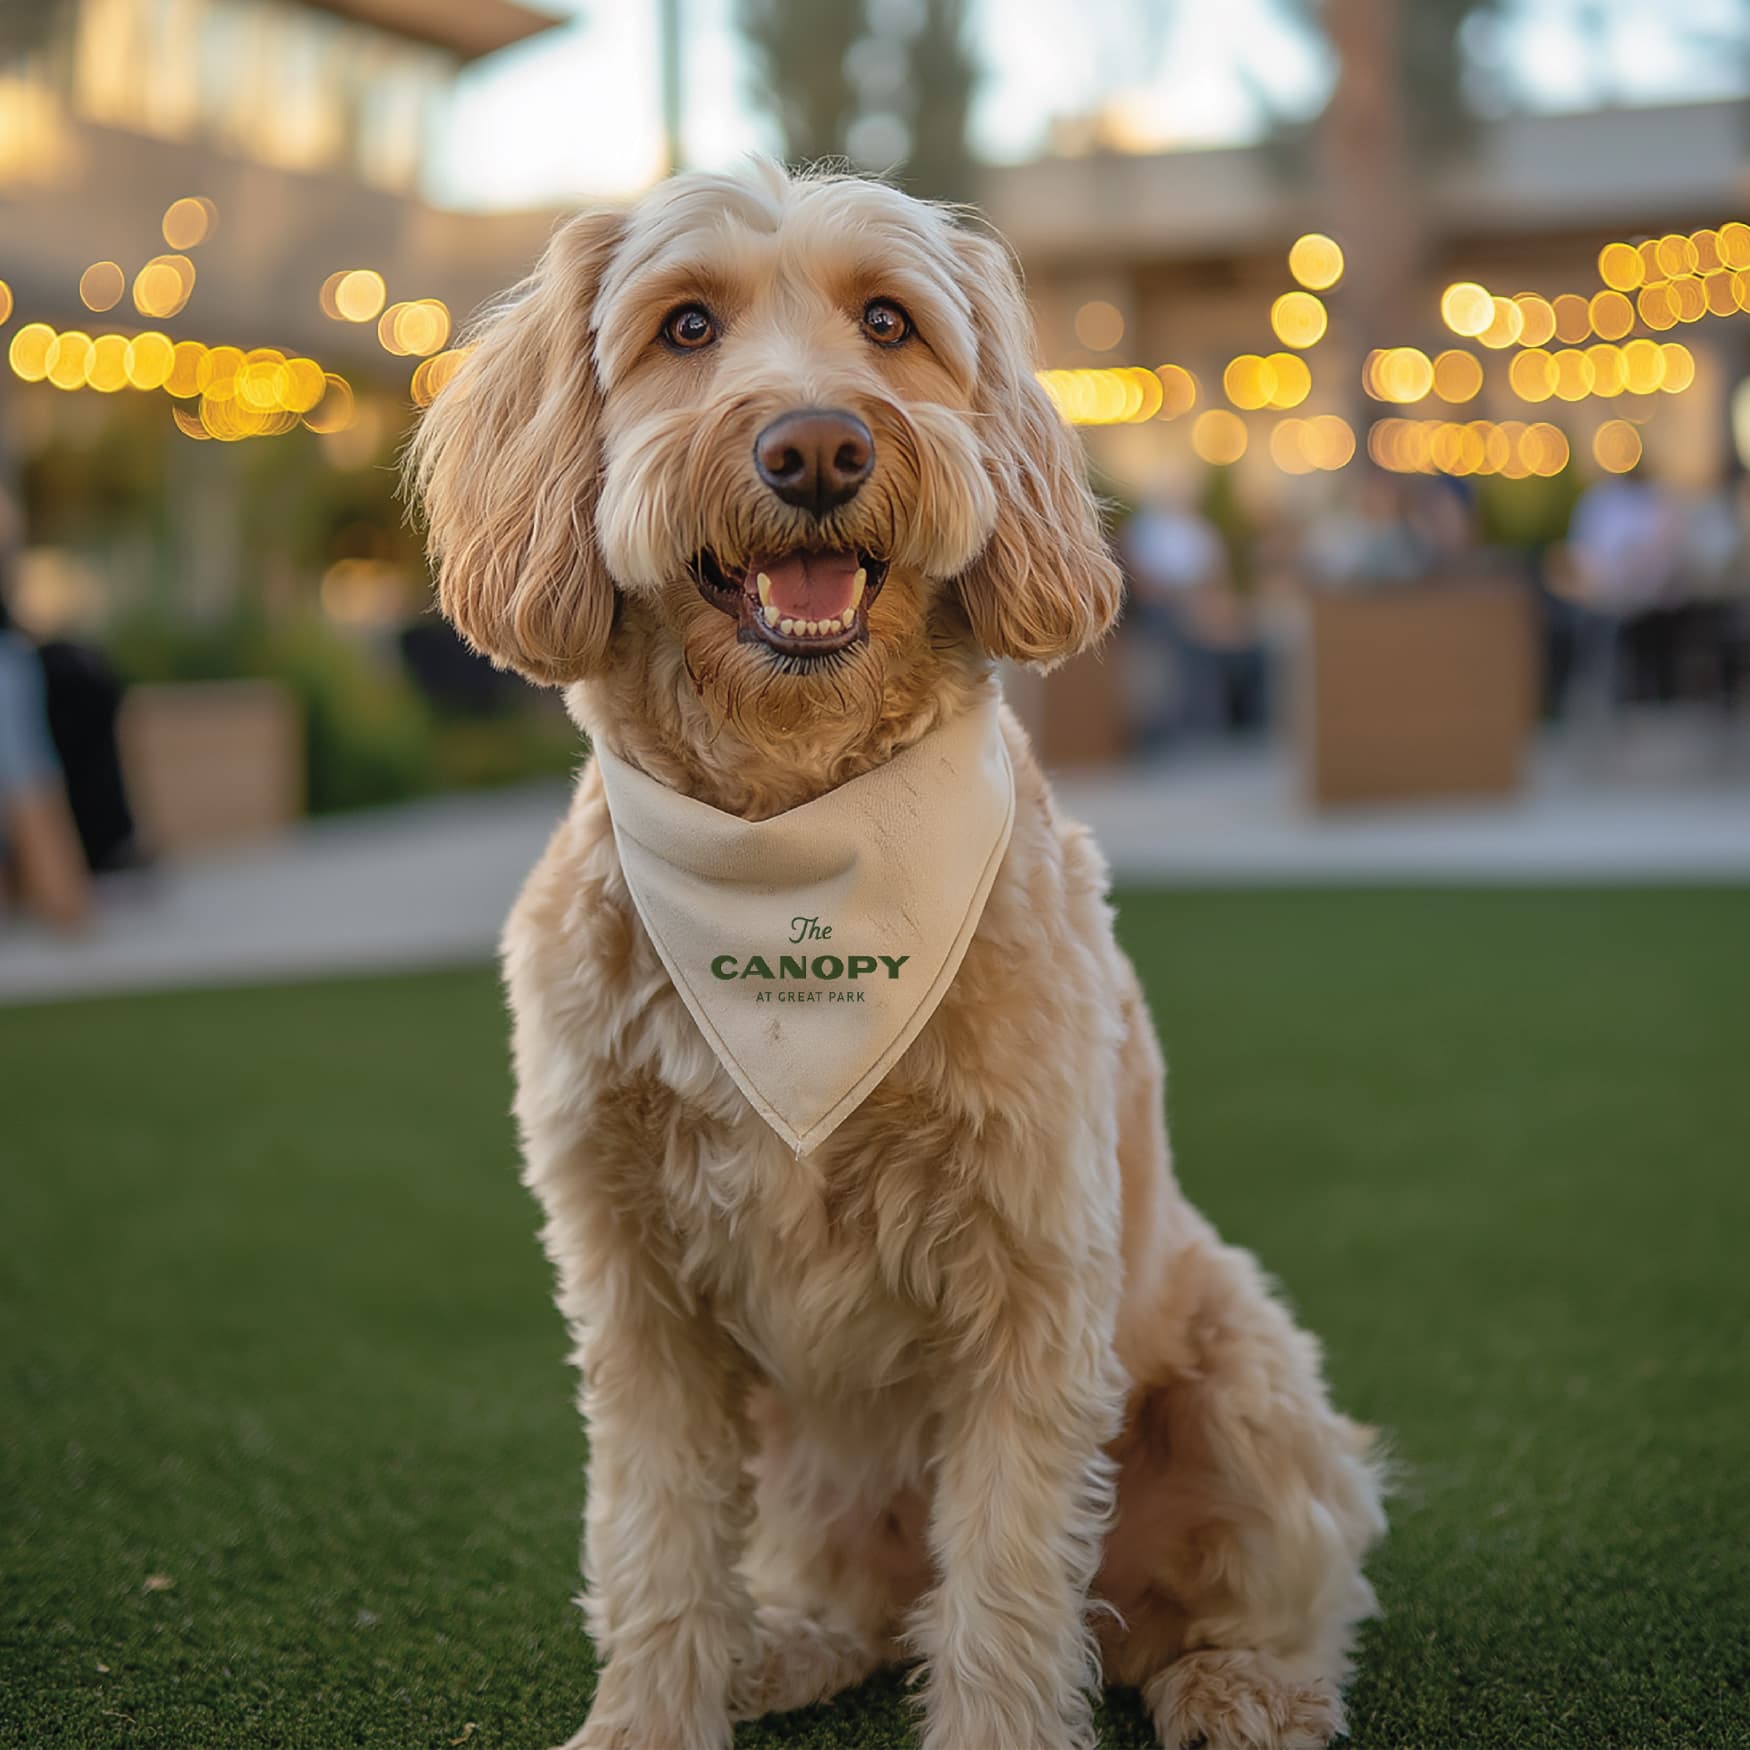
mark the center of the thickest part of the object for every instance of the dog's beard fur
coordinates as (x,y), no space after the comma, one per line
(576,468)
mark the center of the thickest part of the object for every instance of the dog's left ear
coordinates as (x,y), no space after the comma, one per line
(1045,587)
(506,463)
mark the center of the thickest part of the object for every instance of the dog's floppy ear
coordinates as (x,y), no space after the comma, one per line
(1045,586)
(507,462)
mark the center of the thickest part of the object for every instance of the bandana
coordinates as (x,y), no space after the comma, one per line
(811,948)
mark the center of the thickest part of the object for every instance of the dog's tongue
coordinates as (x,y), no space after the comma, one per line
(807,586)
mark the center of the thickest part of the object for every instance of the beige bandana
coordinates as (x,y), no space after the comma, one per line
(811,948)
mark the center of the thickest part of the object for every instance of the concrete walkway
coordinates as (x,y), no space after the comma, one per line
(429,884)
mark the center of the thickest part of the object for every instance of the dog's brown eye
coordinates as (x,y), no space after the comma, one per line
(690,328)
(886,323)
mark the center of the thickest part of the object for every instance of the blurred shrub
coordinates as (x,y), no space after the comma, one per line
(370,737)
(367,736)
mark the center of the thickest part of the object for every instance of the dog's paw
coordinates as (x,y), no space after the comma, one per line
(796,1661)
(1241,1701)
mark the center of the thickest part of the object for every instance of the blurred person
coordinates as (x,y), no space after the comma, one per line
(41,865)
(83,695)
(1366,538)
(1184,602)
(1715,582)
(1624,555)
(1625,543)
(80,701)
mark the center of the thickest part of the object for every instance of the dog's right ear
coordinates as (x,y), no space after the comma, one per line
(506,464)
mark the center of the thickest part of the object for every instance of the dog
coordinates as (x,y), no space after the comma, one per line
(971,1384)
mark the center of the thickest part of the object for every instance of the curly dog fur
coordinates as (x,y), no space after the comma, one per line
(971,1384)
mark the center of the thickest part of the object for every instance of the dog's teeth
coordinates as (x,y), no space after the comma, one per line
(815,628)
(857,584)
(848,618)
(765,584)
(788,628)
(769,611)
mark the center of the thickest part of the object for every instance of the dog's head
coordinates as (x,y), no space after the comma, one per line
(755,447)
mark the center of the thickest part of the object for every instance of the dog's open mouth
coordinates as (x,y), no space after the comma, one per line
(808,602)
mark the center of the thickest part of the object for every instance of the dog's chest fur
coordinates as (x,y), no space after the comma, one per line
(829,1270)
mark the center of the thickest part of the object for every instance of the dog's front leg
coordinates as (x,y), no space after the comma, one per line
(669,1499)
(1022,1493)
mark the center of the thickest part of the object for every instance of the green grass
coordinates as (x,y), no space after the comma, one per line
(274,1324)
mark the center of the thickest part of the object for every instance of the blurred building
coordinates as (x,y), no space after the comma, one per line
(304,125)
(1144,259)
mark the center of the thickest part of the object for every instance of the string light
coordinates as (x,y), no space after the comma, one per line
(1316,261)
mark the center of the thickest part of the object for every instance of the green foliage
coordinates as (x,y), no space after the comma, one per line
(1526,514)
(917,69)
(274,1325)
(368,737)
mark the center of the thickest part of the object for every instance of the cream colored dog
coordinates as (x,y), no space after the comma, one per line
(972,1383)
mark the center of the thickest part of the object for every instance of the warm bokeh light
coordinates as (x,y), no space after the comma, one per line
(1316,261)
(1505,325)
(1608,375)
(101,285)
(106,369)
(1293,380)
(1611,315)
(5,302)
(1458,375)
(1537,319)
(1399,373)
(1679,367)
(1655,307)
(29,352)
(305,385)
(1178,391)
(1466,308)
(434,374)
(1643,366)
(68,356)
(1126,395)
(336,410)
(358,295)
(216,374)
(1734,244)
(1721,293)
(1298,319)
(1573,318)
(188,422)
(1620,266)
(184,380)
(149,360)
(1688,300)
(1479,446)
(1219,437)
(163,286)
(1676,256)
(1249,381)
(1532,375)
(418,328)
(1616,446)
(1573,375)
(189,222)
(1099,326)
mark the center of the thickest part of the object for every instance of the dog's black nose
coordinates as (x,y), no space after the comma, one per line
(817,459)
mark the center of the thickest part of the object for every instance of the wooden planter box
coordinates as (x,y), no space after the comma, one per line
(1074,715)
(1418,692)
(212,763)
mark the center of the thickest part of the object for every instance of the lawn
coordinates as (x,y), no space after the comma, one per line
(287,1456)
